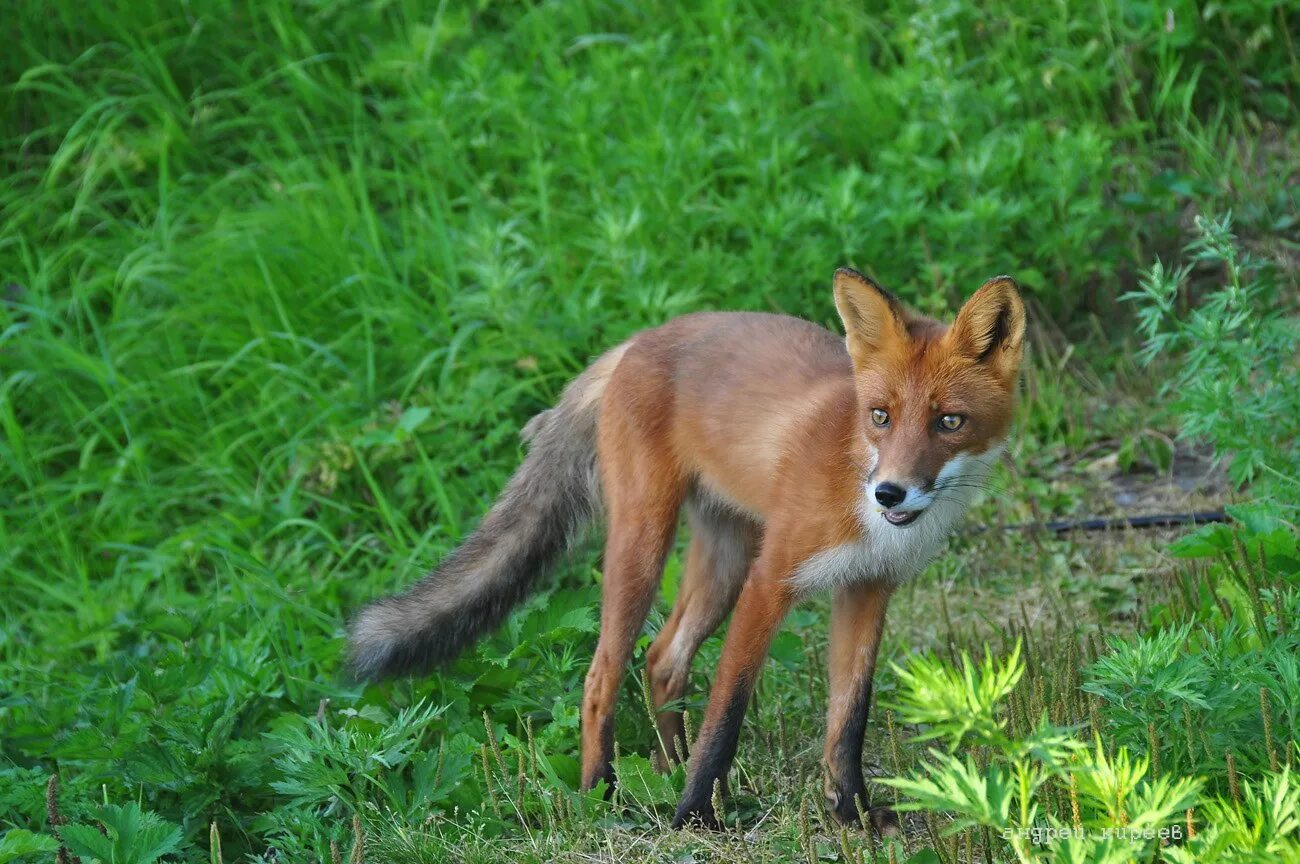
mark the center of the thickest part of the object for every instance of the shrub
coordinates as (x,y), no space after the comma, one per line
(1232,359)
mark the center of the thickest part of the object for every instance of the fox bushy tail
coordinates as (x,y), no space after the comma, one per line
(551,498)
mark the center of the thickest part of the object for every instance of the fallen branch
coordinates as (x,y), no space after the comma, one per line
(1116,523)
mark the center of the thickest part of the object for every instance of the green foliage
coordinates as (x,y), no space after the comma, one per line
(1210,683)
(19,842)
(957,703)
(1235,356)
(1261,828)
(1122,808)
(124,835)
(650,790)
(345,766)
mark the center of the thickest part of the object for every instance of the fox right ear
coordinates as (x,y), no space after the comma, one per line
(872,317)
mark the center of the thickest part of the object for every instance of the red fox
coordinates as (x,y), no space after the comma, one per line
(804,462)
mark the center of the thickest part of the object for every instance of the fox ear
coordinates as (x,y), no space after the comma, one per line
(990,328)
(872,317)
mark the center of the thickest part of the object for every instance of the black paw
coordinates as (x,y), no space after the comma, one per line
(696,816)
(848,808)
(606,776)
(885,821)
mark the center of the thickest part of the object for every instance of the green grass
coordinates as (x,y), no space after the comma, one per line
(279,282)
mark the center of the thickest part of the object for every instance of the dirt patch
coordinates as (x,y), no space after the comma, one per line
(1192,481)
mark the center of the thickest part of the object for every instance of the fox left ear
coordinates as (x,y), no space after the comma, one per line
(990,328)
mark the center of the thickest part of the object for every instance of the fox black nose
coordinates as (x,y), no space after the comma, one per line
(890,494)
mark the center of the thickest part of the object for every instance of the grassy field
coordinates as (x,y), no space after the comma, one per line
(279,283)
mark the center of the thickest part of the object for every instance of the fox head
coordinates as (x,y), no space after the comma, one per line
(934,402)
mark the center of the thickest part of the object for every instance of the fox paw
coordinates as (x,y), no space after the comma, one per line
(849,810)
(696,816)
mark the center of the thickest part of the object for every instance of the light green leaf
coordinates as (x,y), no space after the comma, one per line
(18,842)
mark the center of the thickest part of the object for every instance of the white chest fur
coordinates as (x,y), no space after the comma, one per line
(885,551)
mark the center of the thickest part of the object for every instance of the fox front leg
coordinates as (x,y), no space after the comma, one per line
(857,621)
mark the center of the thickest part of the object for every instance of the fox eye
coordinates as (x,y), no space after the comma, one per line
(951,422)
(880,416)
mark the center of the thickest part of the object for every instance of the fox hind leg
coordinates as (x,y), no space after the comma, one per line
(642,506)
(722,546)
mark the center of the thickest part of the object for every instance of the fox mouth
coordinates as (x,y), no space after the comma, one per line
(901,518)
